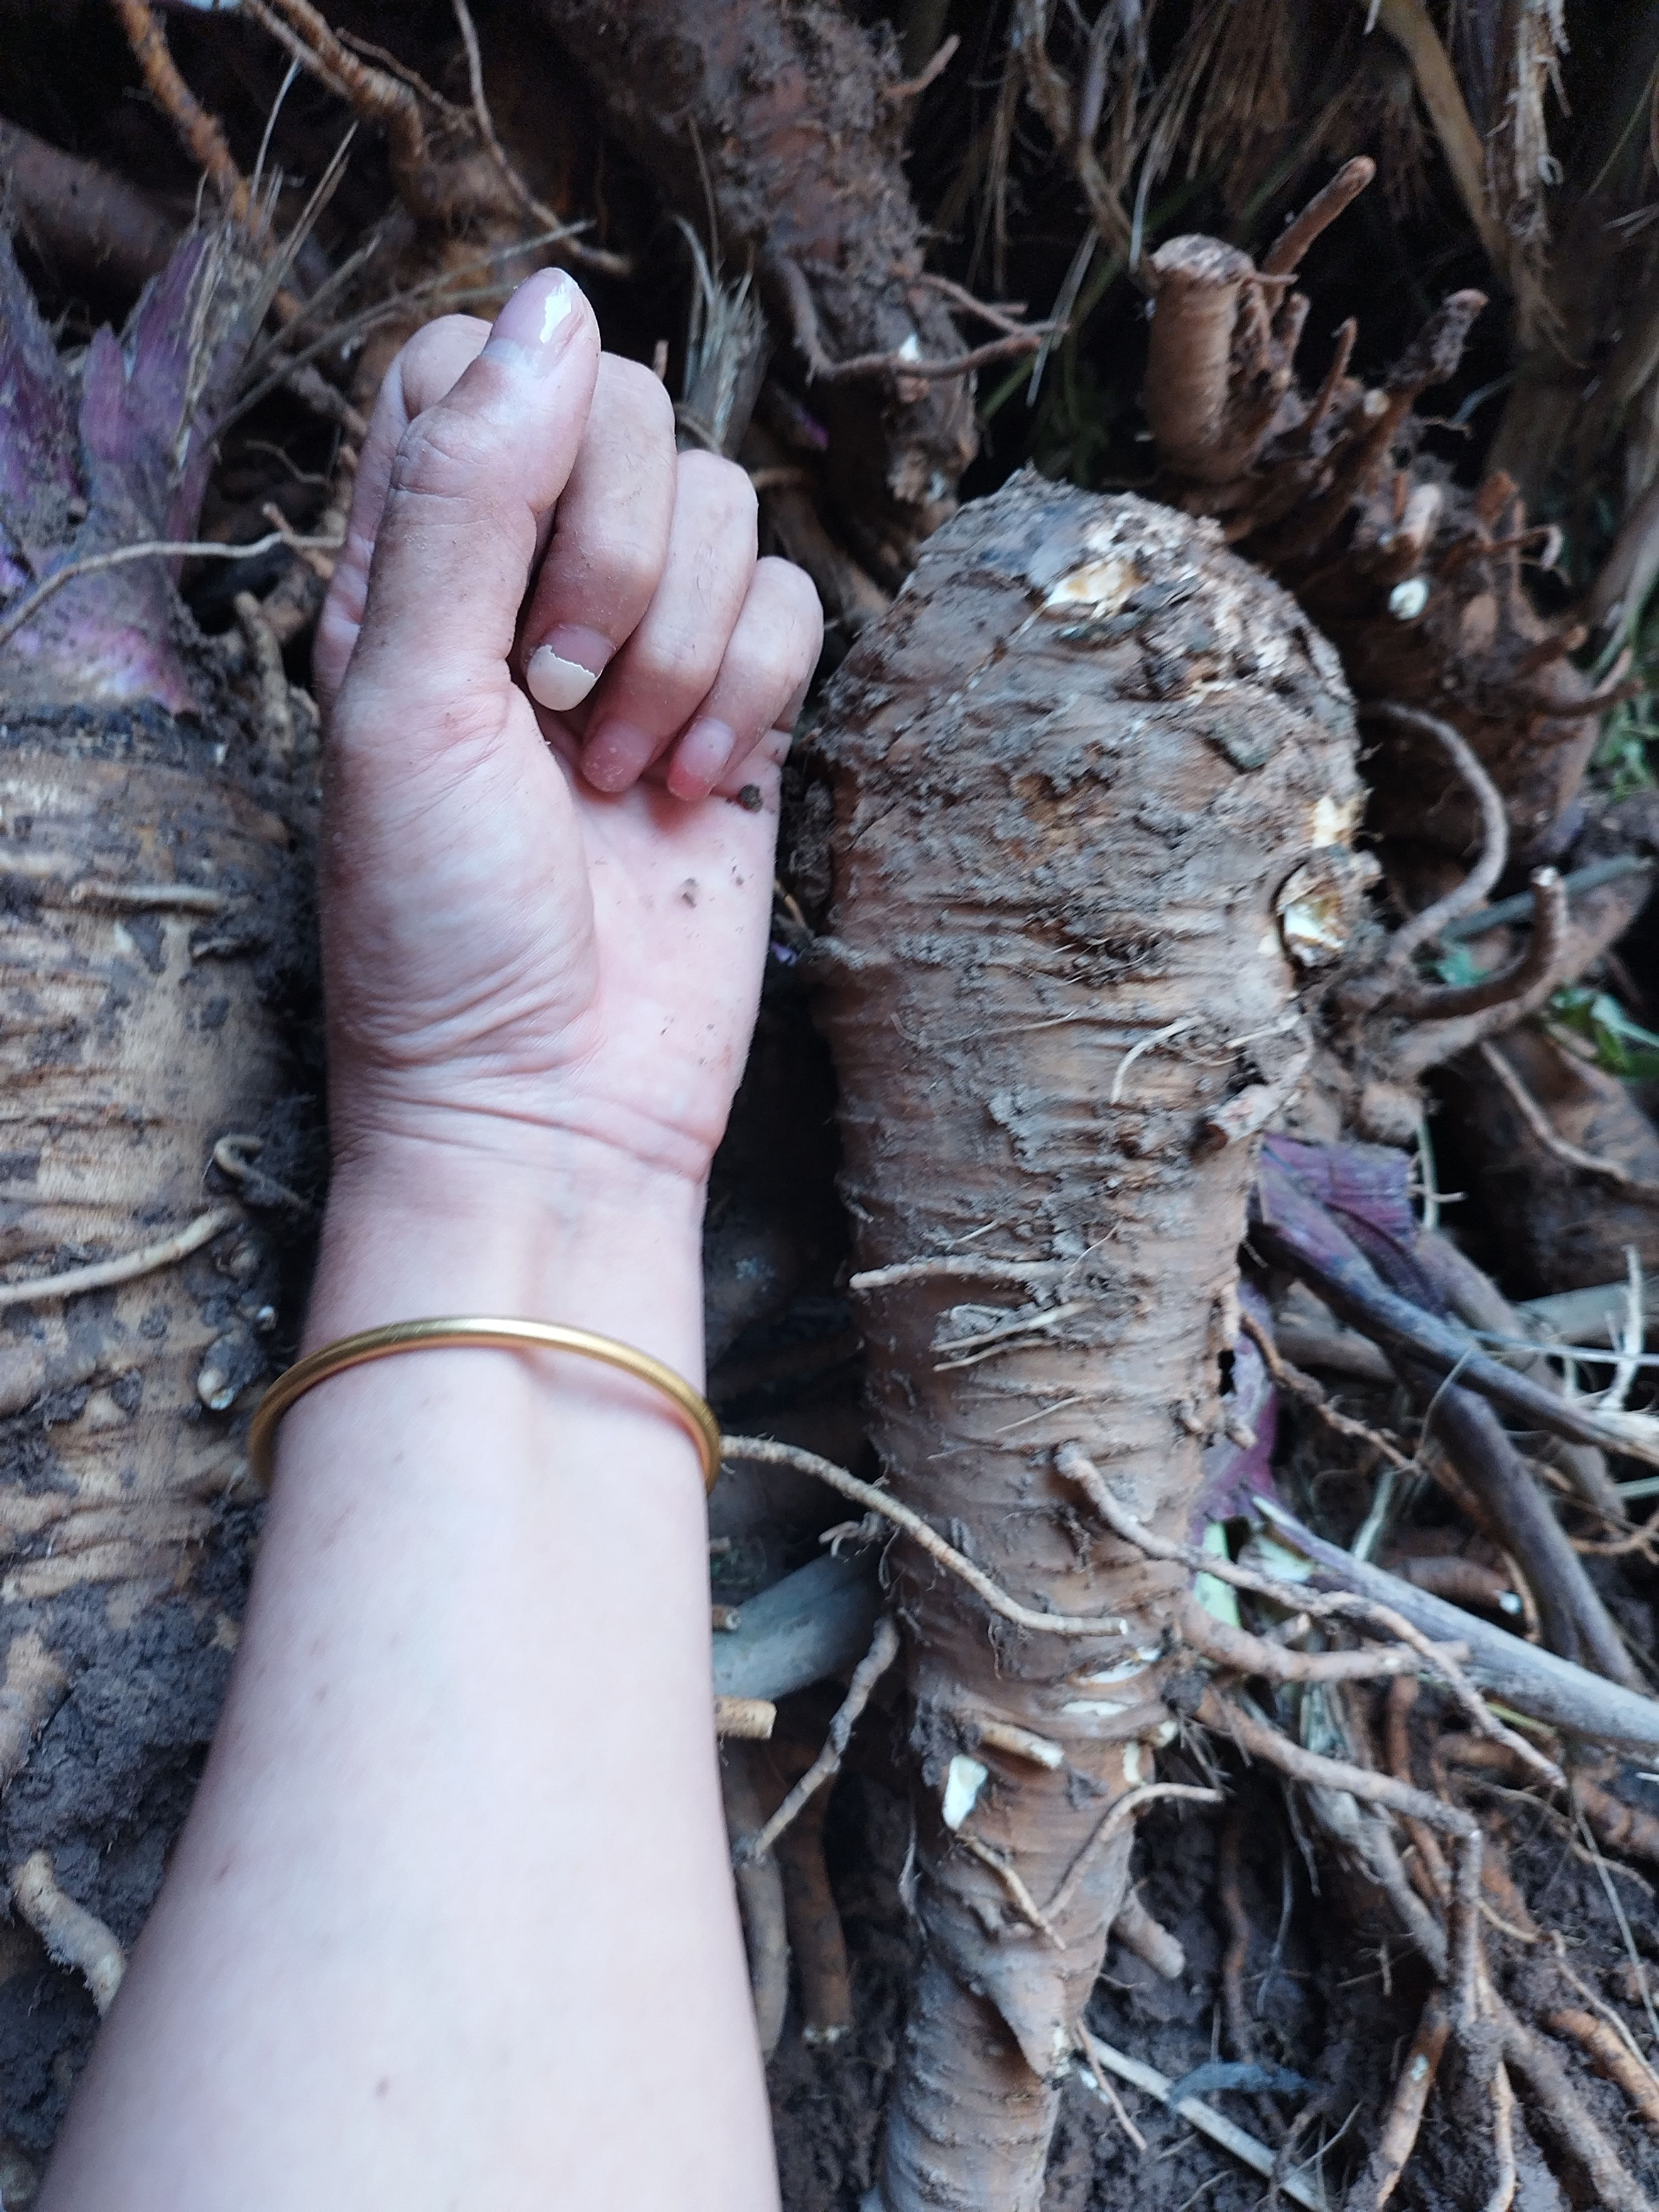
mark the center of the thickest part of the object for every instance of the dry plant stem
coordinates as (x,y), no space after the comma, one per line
(377,98)
(1539,1122)
(1560,2109)
(1250,2149)
(1436,1659)
(199,133)
(1052,96)
(1283,256)
(1303,1237)
(1539,960)
(1530,1679)
(750,1720)
(1312,1768)
(817,1943)
(897,367)
(1205,290)
(1503,2135)
(73,1937)
(974,1027)
(1238,1652)
(883,1649)
(1235,1957)
(767,1451)
(1148,1940)
(1408,23)
(1576,1622)
(99,1274)
(1610,2056)
(1477,1302)
(1519,990)
(1105,2087)
(30,605)
(1393,971)
(1398,2138)
(1296,1384)
(760,1897)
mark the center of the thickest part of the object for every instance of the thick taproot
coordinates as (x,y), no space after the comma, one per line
(1070,774)
(147,899)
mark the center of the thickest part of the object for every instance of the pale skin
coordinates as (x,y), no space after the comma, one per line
(451,1926)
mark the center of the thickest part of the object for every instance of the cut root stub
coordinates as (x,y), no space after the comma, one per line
(1069,776)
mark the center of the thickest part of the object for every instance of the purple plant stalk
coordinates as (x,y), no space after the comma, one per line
(110,452)
(1313,1206)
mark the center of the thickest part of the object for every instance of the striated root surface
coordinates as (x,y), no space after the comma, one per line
(1069,773)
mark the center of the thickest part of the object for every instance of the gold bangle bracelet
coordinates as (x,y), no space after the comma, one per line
(472,1330)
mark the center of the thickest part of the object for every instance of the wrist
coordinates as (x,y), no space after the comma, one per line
(579,1233)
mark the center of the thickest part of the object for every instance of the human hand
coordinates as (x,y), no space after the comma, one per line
(544,924)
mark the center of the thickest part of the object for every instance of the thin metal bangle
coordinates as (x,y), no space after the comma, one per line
(469,1329)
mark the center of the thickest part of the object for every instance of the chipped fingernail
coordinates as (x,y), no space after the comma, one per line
(556,683)
(616,753)
(564,668)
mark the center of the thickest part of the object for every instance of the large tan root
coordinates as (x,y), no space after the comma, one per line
(1071,772)
(788,126)
(138,1289)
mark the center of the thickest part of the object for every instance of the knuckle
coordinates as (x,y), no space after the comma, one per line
(636,393)
(799,606)
(429,363)
(676,663)
(720,489)
(437,457)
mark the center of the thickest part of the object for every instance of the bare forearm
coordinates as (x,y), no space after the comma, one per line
(459,1849)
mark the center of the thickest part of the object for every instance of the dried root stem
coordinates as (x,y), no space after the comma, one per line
(99,1274)
(768,1452)
(1435,1659)
(1398,2139)
(1611,2056)
(73,1937)
(199,132)
(1571,1156)
(883,1649)
(817,1943)
(1230,1893)
(1227,1716)
(1393,973)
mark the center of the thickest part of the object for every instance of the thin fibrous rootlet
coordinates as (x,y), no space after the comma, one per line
(1067,777)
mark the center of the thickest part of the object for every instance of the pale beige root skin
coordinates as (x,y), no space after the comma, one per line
(122,1059)
(73,1937)
(1069,772)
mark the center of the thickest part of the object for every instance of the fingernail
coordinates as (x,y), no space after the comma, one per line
(615,755)
(533,328)
(564,668)
(699,756)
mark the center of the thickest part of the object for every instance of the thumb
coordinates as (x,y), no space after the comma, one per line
(474,477)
